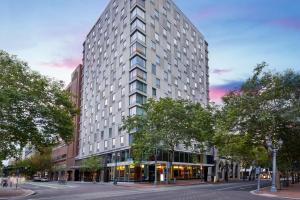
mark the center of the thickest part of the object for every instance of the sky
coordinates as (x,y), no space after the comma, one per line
(48,34)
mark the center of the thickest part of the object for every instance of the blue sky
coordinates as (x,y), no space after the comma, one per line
(49,34)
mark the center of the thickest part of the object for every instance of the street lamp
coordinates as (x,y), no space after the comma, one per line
(274,148)
(116,163)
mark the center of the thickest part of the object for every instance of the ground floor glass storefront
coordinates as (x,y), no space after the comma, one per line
(146,172)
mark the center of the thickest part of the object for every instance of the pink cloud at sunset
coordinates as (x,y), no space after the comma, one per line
(216,92)
(69,63)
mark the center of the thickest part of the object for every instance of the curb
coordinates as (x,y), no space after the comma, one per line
(253,192)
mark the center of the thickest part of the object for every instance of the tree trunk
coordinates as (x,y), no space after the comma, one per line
(94,177)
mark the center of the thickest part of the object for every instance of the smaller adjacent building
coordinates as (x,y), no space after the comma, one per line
(63,155)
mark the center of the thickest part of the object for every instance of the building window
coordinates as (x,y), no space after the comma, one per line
(102,135)
(169,25)
(137,12)
(137,73)
(157,82)
(136,111)
(157,37)
(122,140)
(137,98)
(105,144)
(153,45)
(137,61)
(138,86)
(166,76)
(110,132)
(138,24)
(138,36)
(179,93)
(120,105)
(113,143)
(157,60)
(153,69)
(138,48)
(91,147)
(98,146)
(153,92)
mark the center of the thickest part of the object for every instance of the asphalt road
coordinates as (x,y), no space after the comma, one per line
(88,191)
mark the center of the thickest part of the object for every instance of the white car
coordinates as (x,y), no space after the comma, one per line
(45,179)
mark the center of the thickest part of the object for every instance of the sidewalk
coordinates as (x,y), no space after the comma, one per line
(291,192)
(7,193)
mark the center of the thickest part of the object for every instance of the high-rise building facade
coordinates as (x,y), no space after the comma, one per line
(139,49)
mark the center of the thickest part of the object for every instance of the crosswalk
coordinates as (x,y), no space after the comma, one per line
(49,185)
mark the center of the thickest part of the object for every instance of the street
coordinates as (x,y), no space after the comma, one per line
(128,191)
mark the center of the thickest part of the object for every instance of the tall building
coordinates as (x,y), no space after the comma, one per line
(63,156)
(139,49)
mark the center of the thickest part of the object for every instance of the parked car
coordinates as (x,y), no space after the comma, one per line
(44,179)
(37,178)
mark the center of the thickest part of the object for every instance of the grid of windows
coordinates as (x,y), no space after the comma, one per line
(116,61)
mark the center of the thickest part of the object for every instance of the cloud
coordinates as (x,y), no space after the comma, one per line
(221,71)
(216,92)
(287,23)
(69,63)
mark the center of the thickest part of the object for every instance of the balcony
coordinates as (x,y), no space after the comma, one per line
(140,3)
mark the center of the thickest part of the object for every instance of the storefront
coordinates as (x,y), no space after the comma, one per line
(128,172)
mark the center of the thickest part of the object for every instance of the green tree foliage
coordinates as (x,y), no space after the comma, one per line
(267,105)
(167,123)
(33,108)
(92,164)
(39,162)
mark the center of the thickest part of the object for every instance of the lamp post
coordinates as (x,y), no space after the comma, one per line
(274,148)
(116,164)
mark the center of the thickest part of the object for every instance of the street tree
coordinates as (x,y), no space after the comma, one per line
(92,164)
(266,106)
(40,162)
(34,109)
(167,123)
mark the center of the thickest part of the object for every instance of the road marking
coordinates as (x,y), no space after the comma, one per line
(49,185)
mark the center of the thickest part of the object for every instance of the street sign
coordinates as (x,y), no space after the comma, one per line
(257,171)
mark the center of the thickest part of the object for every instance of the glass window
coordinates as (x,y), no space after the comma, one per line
(113,142)
(137,12)
(138,24)
(136,111)
(153,92)
(153,69)
(138,36)
(122,140)
(158,83)
(139,61)
(110,132)
(137,73)
(137,85)
(157,59)
(105,144)
(138,48)
(156,37)
(166,76)
(137,98)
